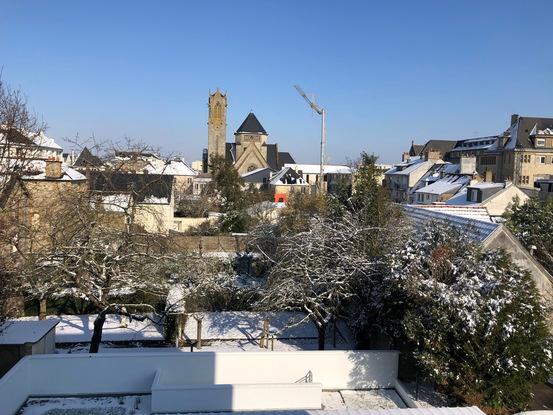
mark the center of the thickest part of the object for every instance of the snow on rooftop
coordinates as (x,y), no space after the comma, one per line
(477,227)
(79,328)
(13,332)
(440,187)
(172,168)
(487,185)
(43,140)
(254,171)
(316,168)
(69,174)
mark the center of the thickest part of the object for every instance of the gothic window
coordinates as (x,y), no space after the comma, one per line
(217,113)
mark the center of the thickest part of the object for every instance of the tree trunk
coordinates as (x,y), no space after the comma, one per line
(97,334)
(42,309)
(322,334)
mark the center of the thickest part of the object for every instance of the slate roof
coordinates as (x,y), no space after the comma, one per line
(144,186)
(522,129)
(285,158)
(415,149)
(87,159)
(251,125)
(443,146)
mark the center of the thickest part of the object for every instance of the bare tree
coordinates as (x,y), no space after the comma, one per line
(315,271)
(20,132)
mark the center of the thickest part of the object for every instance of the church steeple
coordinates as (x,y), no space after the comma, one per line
(217,124)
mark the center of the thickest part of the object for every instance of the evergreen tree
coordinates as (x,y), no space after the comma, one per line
(532,224)
(474,320)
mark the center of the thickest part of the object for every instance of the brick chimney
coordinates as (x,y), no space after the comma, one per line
(405,156)
(53,169)
(433,155)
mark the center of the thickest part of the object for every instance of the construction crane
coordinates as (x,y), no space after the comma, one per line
(322,113)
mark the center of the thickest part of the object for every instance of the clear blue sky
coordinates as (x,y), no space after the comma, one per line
(387,72)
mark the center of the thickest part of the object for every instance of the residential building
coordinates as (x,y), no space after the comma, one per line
(287,181)
(259,178)
(402,178)
(497,198)
(334,175)
(440,148)
(18,146)
(444,180)
(183,174)
(143,199)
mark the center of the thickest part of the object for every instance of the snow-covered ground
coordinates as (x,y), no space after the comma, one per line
(112,405)
(245,325)
(362,399)
(79,328)
(140,404)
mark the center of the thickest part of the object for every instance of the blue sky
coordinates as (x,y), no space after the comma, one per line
(387,72)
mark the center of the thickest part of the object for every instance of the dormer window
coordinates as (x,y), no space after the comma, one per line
(540,142)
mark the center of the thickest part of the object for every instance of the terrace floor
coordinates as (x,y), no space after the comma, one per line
(140,404)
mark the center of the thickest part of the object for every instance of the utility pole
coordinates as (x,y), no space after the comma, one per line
(321,111)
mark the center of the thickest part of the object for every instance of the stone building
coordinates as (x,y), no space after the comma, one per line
(523,153)
(250,150)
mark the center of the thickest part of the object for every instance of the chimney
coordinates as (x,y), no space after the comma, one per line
(488,177)
(53,169)
(514,118)
(405,156)
(433,155)
(467,164)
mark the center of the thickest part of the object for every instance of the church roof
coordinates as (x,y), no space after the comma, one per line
(86,158)
(251,125)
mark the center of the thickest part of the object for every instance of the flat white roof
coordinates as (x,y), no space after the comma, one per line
(14,332)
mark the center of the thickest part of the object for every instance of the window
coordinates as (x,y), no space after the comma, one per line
(307,178)
(540,159)
(540,142)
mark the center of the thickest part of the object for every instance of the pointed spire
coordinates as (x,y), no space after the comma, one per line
(251,125)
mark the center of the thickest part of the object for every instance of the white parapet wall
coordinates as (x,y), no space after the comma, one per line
(167,398)
(130,373)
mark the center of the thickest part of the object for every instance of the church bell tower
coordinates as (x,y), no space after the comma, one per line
(217,124)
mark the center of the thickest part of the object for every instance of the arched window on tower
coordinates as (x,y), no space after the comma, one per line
(217,112)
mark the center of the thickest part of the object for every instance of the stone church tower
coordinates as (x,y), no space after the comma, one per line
(217,124)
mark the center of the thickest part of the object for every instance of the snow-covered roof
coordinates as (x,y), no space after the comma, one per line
(410,167)
(475,227)
(13,332)
(43,140)
(79,328)
(255,171)
(466,211)
(171,167)
(316,168)
(440,187)
(69,174)
(479,143)
(290,175)
(487,185)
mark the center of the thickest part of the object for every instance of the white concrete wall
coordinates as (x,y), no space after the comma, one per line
(15,387)
(236,397)
(127,373)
